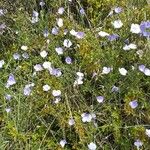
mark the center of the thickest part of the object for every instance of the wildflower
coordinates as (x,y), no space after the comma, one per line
(147,132)
(63,143)
(59,22)
(142,68)
(133,104)
(38,67)
(100,99)
(67,43)
(27,89)
(115,89)
(145,28)
(47,65)
(55,72)
(65,31)
(59,50)
(130,46)
(92,146)
(1,63)
(25,55)
(80,74)
(123,71)
(55,31)
(117,24)
(56,93)
(11,81)
(68,60)
(24,48)
(139,53)
(135,28)
(61,10)
(118,10)
(46,88)
(73,32)
(45,33)
(82,12)
(1,12)
(71,121)
(147,72)
(57,100)
(16,56)
(80,35)
(103,34)
(43,54)
(8,97)
(86,117)
(41,3)
(138,143)
(113,37)
(35,16)
(106,70)
(8,110)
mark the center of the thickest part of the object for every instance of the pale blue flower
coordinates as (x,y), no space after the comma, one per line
(133,104)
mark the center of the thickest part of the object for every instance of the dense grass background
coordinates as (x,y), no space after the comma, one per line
(35,122)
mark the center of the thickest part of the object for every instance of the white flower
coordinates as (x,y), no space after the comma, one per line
(61,10)
(138,143)
(38,67)
(8,110)
(1,63)
(92,146)
(71,121)
(78,82)
(73,32)
(117,24)
(56,93)
(59,50)
(86,117)
(67,43)
(130,46)
(47,65)
(100,99)
(60,22)
(106,70)
(123,71)
(135,28)
(147,132)
(103,34)
(80,74)
(57,100)
(43,54)
(46,88)
(147,72)
(23,47)
(142,68)
(63,143)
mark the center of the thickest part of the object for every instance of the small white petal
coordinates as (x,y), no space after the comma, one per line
(147,72)
(71,122)
(135,28)
(63,143)
(92,146)
(56,93)
(123,71)
(67,43)
(23,47)
(43,54)
(46,88)
(60,22)
(103,34)
(47,65)
(147,132)
(1,63)
(117,24)
(59,50)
